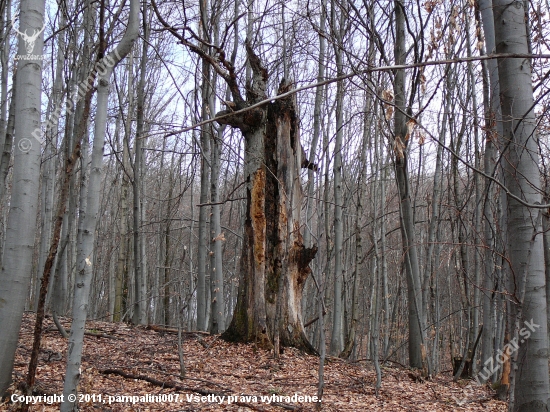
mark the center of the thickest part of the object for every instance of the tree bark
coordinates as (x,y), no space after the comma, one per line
(412,269)
(337,338)
(493,127)
(525,245)
(206,137)
(217,296)
(16,269)
(272,245)
(89,218)
(140,272)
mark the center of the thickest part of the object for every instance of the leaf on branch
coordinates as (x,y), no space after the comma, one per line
(410,127)
(388,96)
(421,139)
(398,147)
(221,237)
(389,112)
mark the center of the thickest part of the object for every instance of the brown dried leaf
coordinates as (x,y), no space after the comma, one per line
(398,147)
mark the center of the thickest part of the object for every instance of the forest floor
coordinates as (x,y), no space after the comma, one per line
(122,360)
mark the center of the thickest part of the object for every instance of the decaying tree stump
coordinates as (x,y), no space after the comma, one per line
(275,263)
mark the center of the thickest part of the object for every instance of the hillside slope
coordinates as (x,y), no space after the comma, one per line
(142,363)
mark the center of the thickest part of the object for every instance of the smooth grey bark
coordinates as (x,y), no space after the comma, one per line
(5,16)
(417,350)
(89,217)
(217,304)
(217,323)
(378,261)
(546,245)
(322,344)
(160,273)
(167,260)
(8,145)
(16,269)
(525,245)
(121,274)
(430,274)
(434,249)
(311,203)
(375,305)
(546,238)
(190,308)
(337,338)
(384,165)
(494,128)
(354,318)
(477,212)
(60,274)
(205,137)
(140,273)
(316,123)
(75,129)
(6,137)
(48,165)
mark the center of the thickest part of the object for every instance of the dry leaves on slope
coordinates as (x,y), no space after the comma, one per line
(143,359)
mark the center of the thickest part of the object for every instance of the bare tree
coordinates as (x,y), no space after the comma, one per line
(16,269)
(88,220)
(402,120)
(525,247)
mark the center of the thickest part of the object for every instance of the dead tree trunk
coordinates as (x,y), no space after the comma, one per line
(272,245)
(272,242)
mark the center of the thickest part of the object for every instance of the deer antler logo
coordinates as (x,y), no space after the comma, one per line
(29,40)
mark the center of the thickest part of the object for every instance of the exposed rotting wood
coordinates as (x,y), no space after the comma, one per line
(275,262)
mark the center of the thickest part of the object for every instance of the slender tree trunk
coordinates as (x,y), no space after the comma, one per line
(76,128)
(217,304)
(351,336)
(89,218)
(546,237)
(167,261)
(206,137)
(140,272)
(6,111)
(5,16)
(337,338)
(217,324)
(8,145)
(48,165)
(316,124)
(476,298)
(417,350)
(21,227)
(525,245)
(383,256)
(493,129)
(121,293)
